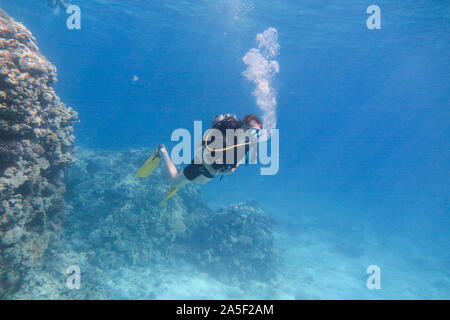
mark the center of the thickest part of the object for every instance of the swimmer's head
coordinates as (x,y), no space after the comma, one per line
(251,121)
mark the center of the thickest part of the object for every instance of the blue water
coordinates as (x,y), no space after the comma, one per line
(363,115)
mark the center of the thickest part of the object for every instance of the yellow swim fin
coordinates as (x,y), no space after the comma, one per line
(149,166)
(171,193)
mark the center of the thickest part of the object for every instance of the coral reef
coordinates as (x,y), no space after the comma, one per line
(108,219)
(35,148)
(116,220)
(119,217)
(237,241)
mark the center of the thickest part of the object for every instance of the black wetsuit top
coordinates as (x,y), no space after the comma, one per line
(193,170)
(234,125)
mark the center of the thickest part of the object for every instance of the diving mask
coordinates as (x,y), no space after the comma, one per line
(255,132)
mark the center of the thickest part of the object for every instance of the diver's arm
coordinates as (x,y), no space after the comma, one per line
(237,165)
(243,159)
(230,171)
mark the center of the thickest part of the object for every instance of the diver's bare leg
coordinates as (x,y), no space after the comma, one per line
(178,178)
(173,172)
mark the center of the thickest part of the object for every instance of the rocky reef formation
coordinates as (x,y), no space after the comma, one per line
(119,217)
(97,215)
(35,149)
(237,241)
(116,219)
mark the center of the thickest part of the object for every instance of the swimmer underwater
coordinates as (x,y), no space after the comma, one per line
(224,147)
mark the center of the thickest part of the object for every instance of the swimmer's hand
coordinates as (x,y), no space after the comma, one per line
(227,170)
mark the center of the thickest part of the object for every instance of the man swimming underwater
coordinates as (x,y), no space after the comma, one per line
(237,139)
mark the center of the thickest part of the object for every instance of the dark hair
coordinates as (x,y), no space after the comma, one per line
(251,117)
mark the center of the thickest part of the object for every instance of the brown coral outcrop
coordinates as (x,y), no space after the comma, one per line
(35,148)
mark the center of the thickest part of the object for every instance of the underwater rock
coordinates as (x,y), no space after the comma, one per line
(301,295)
(115,222)
(35,148)
(119,219)
(50,280)
(120,216)
(12,236)
(237,243)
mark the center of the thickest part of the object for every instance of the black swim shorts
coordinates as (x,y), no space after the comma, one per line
(193,171)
